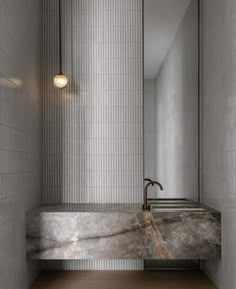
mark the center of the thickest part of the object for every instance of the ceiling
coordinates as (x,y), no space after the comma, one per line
(161,21)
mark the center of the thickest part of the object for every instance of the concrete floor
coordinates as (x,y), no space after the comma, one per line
(122,280)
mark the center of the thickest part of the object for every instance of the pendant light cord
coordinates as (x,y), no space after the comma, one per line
(60,40)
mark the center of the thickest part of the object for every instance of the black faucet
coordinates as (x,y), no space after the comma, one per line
(147,180)
(146,207)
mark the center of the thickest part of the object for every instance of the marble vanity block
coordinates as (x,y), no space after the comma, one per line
(119,231)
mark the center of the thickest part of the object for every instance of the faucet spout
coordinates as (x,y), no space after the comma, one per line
(148,180)
(146,207)
(157,183)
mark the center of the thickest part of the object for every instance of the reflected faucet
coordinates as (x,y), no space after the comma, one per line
(146,207)
(148,180)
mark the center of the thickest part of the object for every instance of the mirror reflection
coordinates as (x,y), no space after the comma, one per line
(171,97)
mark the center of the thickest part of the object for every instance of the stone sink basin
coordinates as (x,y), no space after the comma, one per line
(174,205)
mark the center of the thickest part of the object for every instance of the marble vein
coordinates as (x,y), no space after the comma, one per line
(117,234)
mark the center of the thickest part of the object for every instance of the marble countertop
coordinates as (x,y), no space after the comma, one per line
(87,207)
(108,207)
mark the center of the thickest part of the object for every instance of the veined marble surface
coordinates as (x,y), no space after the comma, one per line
(121,231)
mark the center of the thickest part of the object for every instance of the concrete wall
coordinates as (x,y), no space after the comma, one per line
(93,129)
(20,134)
(219,129)
(177,113)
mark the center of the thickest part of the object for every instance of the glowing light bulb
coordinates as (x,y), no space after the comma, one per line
(60,81)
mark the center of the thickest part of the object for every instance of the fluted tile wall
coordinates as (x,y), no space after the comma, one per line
(20,134)
(93,265)
(93,129)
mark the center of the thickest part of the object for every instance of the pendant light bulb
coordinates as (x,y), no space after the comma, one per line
(60,81)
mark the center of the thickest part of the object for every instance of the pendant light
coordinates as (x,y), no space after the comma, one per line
(60,80)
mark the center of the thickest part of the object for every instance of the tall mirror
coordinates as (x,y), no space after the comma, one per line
(171,97)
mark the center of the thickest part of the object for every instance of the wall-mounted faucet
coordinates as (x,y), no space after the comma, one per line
(146,207)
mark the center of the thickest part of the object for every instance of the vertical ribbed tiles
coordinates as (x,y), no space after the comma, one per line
(93,130)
